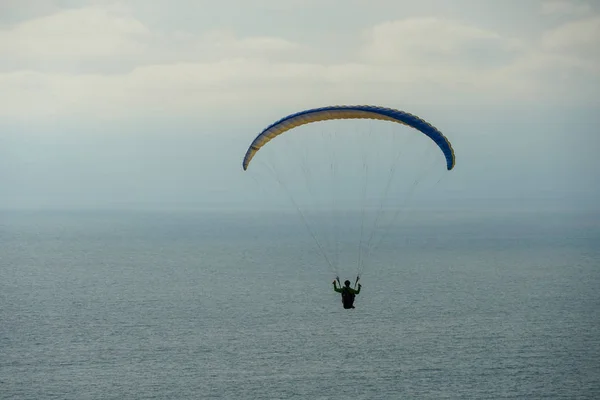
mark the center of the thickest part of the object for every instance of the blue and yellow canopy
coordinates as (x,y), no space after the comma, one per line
(350,112)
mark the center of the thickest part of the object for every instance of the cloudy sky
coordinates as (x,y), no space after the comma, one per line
(155,101)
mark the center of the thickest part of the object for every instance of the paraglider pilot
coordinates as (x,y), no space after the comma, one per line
(348,294)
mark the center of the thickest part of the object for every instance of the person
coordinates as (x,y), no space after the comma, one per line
(348,294)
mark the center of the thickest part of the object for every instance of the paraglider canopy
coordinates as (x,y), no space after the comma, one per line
(350,112)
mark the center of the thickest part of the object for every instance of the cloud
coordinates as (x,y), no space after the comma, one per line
(109,40)
(220,44)
(434,41)
(12,11)
(564,7)
(171,88)
(219,87)
(581,35)
(444,52)
(89,32)
(423,60)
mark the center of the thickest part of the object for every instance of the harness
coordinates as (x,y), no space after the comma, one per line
(347,297)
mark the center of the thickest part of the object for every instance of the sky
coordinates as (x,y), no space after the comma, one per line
(154,102)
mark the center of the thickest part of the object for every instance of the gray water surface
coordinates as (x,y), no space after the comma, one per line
(119,305)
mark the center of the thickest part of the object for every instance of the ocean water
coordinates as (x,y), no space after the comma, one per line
(185,305)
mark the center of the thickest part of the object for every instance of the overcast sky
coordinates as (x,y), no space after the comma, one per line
(155,101)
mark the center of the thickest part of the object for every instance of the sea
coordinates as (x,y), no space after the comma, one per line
(217,304)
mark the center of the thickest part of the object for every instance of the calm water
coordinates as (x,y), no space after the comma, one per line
(191,306)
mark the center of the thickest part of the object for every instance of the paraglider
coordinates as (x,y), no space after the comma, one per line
(347,112)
